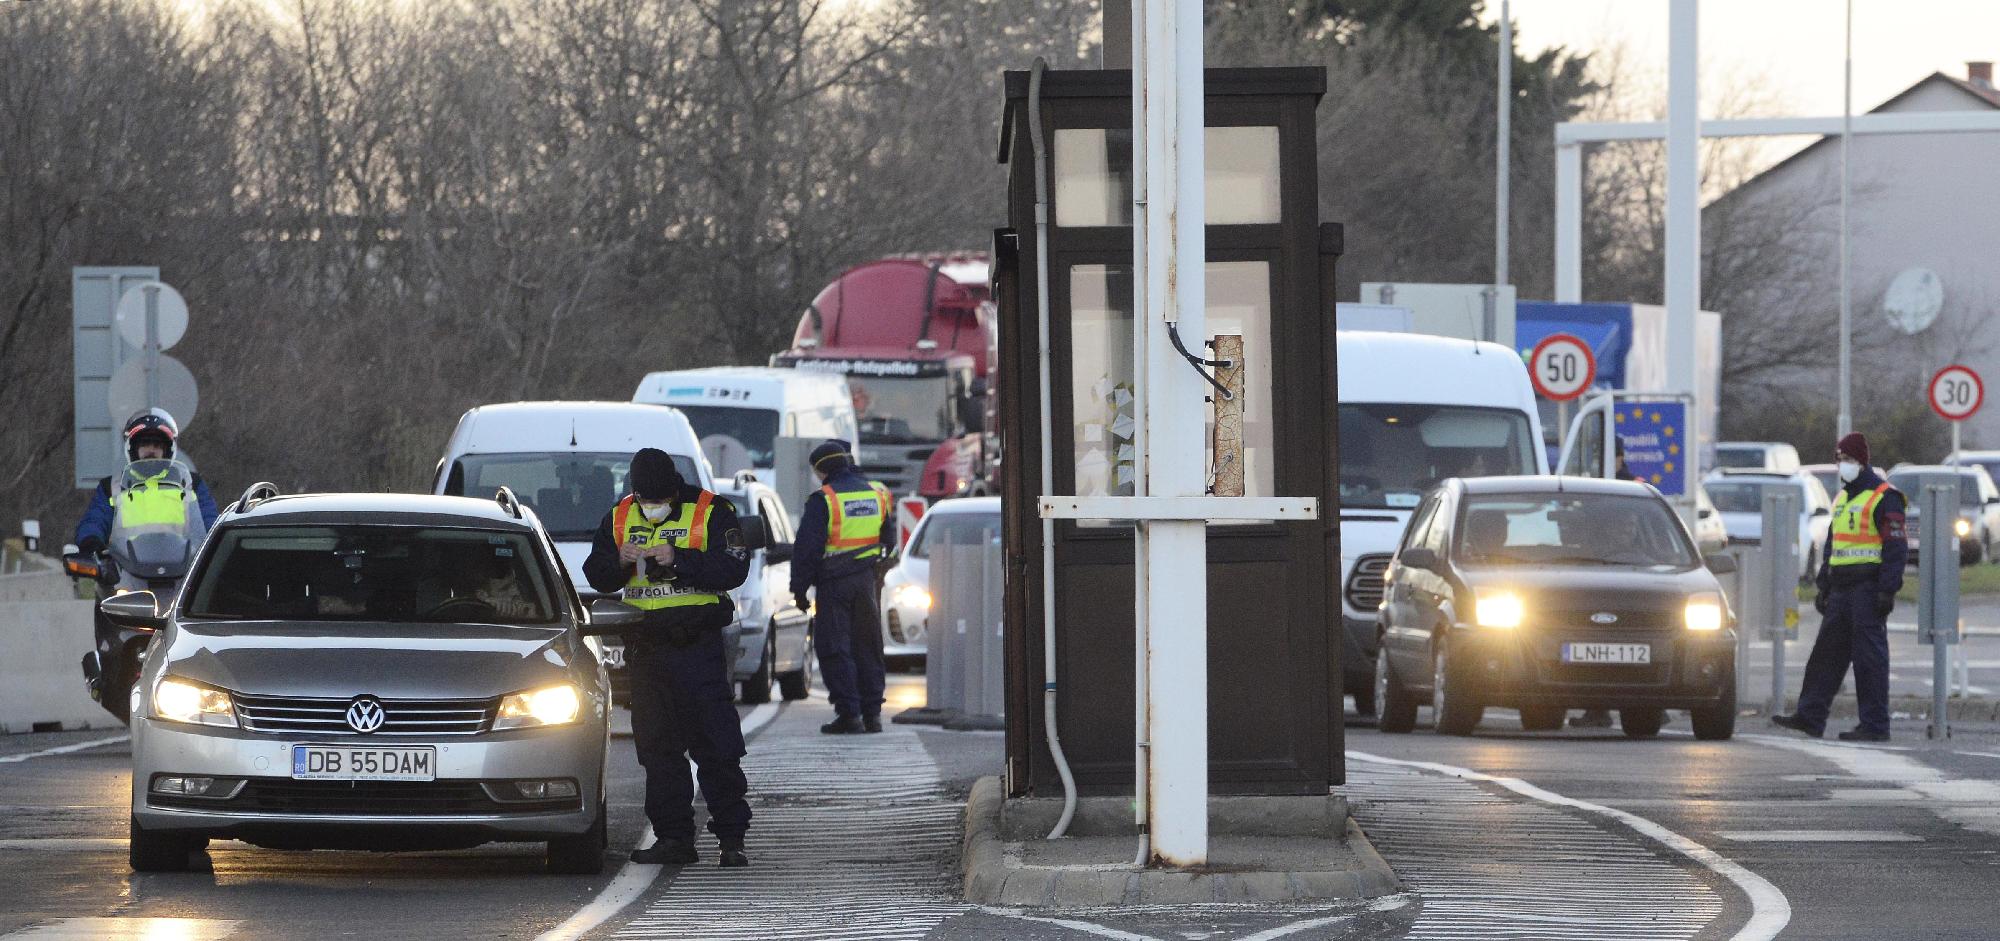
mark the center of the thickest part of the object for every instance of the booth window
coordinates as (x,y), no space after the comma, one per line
(1101,406)
(1093,176)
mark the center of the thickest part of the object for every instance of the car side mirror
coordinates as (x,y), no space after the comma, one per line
(1418,558)
(756,533)
(1720,564)
(612,616)
(777,552)
(1822,511)
(139,610)
(1704,513)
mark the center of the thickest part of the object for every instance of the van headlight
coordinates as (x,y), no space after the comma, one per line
(1963,528)
(1502,609)
(550,705)
(1704,612)
(179,700)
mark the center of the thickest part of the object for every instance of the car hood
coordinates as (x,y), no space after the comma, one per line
(1594,589)
(1743,525)
(341,659)
(1370,532)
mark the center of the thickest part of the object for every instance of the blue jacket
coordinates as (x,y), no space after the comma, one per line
(1886,578)
(810,566)
(93,531)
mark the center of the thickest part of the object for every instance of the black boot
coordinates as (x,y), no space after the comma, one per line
(1796,724)
(843,725)
(666,853)
(871,723)
(733,856)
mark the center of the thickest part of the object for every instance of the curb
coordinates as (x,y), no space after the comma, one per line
(1973,709)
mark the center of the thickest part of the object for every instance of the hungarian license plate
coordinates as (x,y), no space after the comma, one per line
(1607,653)
(364,763)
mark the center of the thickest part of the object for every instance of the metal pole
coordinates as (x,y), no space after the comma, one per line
(1569,223)
(1846,301)
(1177,551)
(1141,332)
(152,345)
(1683,210)
(1503,145)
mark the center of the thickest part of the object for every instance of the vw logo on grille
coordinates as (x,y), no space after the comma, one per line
(365,714)
(1601,617)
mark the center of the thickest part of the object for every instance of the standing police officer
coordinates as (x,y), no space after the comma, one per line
(674,551)
(1866,552)
(843,534)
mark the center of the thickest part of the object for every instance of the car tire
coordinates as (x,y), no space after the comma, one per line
(158,852)
(1542,718)
(580,855)
(1398,709)
(1453,712)
(756,688)
(1717,723)
(797,684)
(1642,722)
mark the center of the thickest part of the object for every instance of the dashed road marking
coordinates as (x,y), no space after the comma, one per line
(66,749)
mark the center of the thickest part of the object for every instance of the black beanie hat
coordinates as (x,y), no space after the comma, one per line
(831,455)
(654,476)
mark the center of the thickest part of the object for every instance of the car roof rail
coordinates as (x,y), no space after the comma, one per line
(744,478)
(505,497)
(258,493)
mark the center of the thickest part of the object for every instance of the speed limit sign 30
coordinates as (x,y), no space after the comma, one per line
(1956,393)
(1562,367)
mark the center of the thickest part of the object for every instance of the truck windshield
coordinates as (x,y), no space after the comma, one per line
(570,490)
(1571,529)
(899,410)
(374,573)
(1391,454)
(742,437)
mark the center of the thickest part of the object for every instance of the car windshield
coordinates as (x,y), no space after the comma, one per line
(1571,529)
(1391,454)
(1739,457)
(1737,496)
(962,528)
(570,490)
(898,410)
(735,439)
(1968,488)
(373,573)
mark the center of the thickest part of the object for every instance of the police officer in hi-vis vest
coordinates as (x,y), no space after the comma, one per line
(846,531)
(1863,569)
(674,551)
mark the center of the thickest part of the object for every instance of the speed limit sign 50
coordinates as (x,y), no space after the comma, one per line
(1562,367)
(1956,393)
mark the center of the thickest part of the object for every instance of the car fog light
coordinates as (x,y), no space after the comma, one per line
(545,790)
(170,785)
(533,790)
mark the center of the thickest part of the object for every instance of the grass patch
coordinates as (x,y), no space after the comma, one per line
(1972,580)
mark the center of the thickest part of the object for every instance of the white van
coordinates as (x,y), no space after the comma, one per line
(1415,410)
(740,412)
(567,460)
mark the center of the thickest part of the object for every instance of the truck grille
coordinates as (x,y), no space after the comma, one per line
(315,716)
(1364,584)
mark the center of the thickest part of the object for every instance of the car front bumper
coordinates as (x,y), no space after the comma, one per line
(470,802)
(1524,667)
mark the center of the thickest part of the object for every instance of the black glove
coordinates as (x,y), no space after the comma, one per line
(91,545)
(1819,603)
(800,599)
(1885,603)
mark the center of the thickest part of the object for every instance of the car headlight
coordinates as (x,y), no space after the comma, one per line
(1704,612)
(552,705)
(178,700)
(1963,528)
(1498,610)
(913,596)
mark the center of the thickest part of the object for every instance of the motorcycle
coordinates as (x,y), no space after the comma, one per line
(147,551)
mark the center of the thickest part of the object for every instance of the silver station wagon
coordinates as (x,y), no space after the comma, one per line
(369,671)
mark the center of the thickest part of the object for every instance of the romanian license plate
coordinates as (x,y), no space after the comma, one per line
(614,656)
(1607,653)
(364,763)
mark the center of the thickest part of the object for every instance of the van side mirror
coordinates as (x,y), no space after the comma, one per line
(1720,564)
(777,552)
(139,610)
(612,616)
(1418,557)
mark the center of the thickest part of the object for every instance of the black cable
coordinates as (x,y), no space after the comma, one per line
(1174,334)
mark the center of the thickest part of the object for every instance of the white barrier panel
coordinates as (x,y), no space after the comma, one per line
(40,681)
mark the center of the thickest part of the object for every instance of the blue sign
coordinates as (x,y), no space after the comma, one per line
(1655,436)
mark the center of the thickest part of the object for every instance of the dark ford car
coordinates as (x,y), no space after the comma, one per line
(1553,593)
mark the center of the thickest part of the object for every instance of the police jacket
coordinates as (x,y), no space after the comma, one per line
(93,531)
(720,568)
(810,563)
(1887,578)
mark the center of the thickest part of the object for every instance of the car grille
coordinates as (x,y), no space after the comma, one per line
(1607,674)
(366,798)
(1651,620)
(1364,584)
(285,714)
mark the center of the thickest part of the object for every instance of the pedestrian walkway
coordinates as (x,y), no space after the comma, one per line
(1533,870)
(851,837)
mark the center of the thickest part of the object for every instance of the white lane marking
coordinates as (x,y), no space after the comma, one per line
(1817,836)
(1979,754)
(1966,802)
(634,879)
(128,929)
(66,749)
(1770,912)
(1072,924)
(67,844)
(1296,927)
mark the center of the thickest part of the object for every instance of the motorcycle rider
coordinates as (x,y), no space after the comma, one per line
(149,436)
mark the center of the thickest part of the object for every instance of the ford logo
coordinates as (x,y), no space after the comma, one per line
(1601,617)
(365,715)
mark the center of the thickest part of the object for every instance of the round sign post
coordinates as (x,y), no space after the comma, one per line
(1956,393)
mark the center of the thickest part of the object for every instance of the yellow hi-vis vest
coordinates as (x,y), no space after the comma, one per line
(854,521)
(1856,541)
(148,505)
(687,530)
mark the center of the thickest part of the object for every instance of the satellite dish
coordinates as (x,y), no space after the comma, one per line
(1913,300)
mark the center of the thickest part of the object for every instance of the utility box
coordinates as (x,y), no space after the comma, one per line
(1274,672)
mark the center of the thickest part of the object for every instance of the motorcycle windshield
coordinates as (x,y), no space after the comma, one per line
(161,471)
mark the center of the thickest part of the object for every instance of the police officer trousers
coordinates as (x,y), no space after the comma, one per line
(1853,633)
(847,635)
(682,708)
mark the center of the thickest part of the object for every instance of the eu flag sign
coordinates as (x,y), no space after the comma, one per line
(1655,438)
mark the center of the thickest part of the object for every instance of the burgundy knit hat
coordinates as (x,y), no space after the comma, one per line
(1853,445)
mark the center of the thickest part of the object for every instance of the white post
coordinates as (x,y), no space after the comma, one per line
(1176,553)
(1503,146)
(1846,302)
(1683,210)
(1141,618)
(1569,223)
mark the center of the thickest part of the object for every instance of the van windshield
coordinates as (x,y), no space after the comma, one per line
(374,573)
(735,439)
(1391,454)
(570,490)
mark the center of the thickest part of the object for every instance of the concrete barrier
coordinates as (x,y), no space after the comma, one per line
(44,631)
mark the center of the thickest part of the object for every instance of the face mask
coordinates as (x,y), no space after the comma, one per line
(653,512)
(1848,471)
